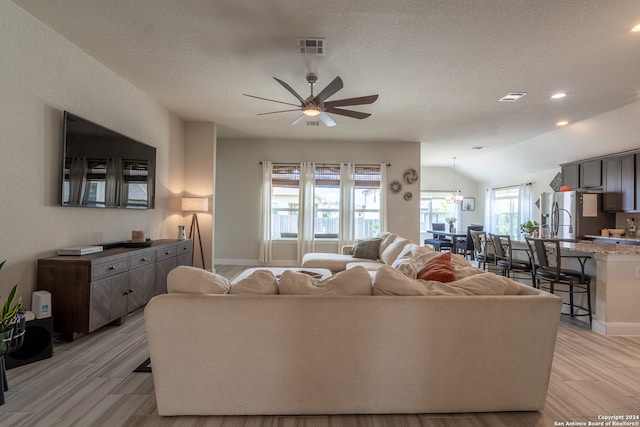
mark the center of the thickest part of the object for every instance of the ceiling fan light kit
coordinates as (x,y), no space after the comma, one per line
(317,105)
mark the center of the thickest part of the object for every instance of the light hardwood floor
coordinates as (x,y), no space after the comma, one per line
(90,383)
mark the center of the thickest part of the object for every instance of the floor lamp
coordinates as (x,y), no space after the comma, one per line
(195,205)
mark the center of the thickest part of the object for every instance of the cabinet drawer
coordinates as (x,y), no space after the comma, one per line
(183,248)
(168,252)
(138,260)
(109,268)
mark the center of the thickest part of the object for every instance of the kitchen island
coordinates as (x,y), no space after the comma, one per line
(617,287)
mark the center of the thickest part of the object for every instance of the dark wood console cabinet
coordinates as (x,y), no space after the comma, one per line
(90,291)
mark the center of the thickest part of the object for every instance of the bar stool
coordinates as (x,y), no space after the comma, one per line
(481,245)
(504,256)
(548,268)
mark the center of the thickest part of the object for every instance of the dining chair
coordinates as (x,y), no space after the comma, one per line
(547,266)
(439,242)
(465,245)
(505,261)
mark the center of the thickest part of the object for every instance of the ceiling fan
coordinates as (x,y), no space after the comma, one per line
(317,106)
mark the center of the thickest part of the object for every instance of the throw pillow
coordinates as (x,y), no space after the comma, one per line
(260,282)
(367,248)
(191,280)
(392,251)
(355,281)
(438,268)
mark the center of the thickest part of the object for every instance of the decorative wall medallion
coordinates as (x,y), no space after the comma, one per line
(556,183)
(410,176)
(395,186)
(408,196)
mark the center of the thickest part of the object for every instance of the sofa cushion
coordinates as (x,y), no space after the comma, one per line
(406,265)
(389,281)
(191,280)
(369,266)
(482,284)
(333,262)
(367,248)
(392,251)
(260,282)
(387,239)
(355,281)
(438,268)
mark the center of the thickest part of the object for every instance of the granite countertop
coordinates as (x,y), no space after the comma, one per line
(601,248)
(613,239)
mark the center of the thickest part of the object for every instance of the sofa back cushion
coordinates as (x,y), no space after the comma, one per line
(355,281)
(391,252)
(191,280)
(260,282)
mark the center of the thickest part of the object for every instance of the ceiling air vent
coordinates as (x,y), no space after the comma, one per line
(308,46)
(313,123)
(513,96)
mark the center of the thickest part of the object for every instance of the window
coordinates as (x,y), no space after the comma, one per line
(366,201)
(285,201)
(505,211)
(434,207)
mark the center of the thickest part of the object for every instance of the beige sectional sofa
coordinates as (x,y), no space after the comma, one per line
(347,346)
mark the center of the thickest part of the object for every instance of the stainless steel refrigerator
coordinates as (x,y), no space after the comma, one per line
(573,214)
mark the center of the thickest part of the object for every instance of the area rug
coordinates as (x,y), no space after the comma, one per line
(144,366)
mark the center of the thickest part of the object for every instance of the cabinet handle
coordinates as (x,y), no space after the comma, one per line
(112,267)
(167,253)
(143,259)
(128,292)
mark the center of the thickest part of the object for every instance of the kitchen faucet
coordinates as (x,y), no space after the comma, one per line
(555,220)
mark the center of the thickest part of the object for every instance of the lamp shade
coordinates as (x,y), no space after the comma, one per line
(195,204)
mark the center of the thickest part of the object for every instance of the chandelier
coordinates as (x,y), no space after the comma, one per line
(456,195)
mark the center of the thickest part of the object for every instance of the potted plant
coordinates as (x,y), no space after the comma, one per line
(529,227)
(12,322)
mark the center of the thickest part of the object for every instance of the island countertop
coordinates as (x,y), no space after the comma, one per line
(601,248)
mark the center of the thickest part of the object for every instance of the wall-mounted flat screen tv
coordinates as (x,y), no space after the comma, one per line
(104,169)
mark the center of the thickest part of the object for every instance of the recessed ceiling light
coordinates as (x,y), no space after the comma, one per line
(562,123)
(513,96)
(636,29)
(558,95)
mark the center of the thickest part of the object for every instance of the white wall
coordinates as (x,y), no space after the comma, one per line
(238,181)
(41,75)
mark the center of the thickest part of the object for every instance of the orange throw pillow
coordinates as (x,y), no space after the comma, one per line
(438,268)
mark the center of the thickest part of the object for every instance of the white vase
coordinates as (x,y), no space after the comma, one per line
(182,235)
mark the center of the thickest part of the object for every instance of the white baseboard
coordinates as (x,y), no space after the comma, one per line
(254,262)
(615,328)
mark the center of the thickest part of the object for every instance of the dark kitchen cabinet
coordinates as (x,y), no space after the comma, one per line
(571,175)
(591,174)
(619,184)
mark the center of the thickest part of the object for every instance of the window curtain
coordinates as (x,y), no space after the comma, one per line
(114,183)
(306,217)
(78,188)
(347,205)
(383,197)
(265,214)
(525,205)
(489,210)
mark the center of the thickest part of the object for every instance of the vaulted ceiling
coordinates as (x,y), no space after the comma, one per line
(439,67)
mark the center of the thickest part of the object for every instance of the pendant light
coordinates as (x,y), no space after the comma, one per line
(456,195)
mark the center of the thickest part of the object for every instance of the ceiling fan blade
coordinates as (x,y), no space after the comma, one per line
(361,100)
(274,112)
(290,89)
(331,88)
(326,119)
(348,113)
(297,119)
(272,100)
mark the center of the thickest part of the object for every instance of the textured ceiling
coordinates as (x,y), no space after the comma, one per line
(439,66)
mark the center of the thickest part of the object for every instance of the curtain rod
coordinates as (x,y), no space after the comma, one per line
(510,186)
(329,164)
